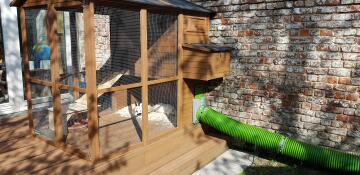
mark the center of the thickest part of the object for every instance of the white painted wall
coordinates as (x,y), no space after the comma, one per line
(9,23)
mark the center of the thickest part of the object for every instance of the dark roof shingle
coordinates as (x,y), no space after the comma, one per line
(180,4)
(174,4)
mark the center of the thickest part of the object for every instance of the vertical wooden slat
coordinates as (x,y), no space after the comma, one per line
(25,61)
(53,41)
(180,74)
(91,91)
(144,75)
(207,21)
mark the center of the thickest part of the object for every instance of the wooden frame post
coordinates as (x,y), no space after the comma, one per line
(91,88)
(25,61)
(144,75)
(53,41)
(180,122)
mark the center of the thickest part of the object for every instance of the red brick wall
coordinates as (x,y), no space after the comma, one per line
(295,68)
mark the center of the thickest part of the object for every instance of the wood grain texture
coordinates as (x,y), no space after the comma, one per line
(196,29)
(180,72)
(144,75)
(203,65)
(91,89)
(30,156)
(26,70)
(53,41)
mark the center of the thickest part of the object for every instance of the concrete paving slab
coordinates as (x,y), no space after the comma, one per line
(232,162)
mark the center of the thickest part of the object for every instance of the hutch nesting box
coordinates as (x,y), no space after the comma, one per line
(104,75)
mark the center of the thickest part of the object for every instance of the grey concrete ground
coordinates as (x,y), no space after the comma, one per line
(232,162)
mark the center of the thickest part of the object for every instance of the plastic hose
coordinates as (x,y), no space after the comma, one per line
(325,157)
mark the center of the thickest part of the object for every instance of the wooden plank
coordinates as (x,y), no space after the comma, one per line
(187,102)
(26,70)
(41,82)
(165,147)
(57,4)
(180,73)
(14,144)
(71,167)
(91,89)
(120,88)
(204,68)
(153,155)
(194,159)
(144,75)
(204,77)
(15,133)
(163,80)
(197,25)
(36,163)
(51,21)
(25,153)
(195,38)
(12,124)
(60,86)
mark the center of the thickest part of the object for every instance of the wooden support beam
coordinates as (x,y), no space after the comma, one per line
(91,88)
(26,70)
(51,26)
(180,74)
(144,75)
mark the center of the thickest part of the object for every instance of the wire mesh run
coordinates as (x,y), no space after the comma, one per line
(42,107)
(117,46)
(162,109)
(71,47)
(120,120)
(39,50)
(75,121)
(162,45)
(74,109)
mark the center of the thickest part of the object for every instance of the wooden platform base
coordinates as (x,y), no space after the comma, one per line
(181,152)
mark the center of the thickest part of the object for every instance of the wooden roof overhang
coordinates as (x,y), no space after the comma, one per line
(171,6)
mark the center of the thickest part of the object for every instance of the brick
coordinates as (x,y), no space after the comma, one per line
(355,81)
(304,32)
(349,111)
(327,2)
(337,131)
(352,96)
(344,80)
(340,72)
(342,118)
(332,79)
(302,57)
(339,95)
(324,32)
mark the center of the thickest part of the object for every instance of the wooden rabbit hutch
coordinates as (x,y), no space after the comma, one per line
(104,76)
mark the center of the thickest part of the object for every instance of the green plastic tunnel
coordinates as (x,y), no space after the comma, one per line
(316,155)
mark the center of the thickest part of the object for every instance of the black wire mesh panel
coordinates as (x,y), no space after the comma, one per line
(39,50)
(74,108)
(71,47)
(39,64)
(117,46)
(162,108)
(75,121)
(162,45)
(119,119)
(42,108)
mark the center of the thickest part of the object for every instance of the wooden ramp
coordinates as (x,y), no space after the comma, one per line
(181,152)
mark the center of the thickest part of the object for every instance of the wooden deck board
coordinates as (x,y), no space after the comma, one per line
(17,143)
(27,155)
